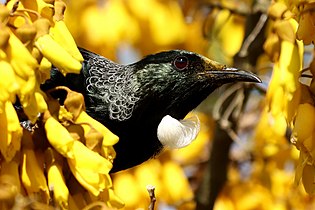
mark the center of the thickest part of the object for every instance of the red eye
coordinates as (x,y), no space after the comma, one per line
(181,62)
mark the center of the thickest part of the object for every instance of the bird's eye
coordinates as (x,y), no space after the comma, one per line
(181,62)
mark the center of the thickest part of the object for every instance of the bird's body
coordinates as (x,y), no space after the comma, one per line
(131,100)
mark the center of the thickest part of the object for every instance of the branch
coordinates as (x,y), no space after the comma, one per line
(151,189)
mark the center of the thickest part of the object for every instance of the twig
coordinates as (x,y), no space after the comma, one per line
(216,113)
(234,107)
(151,189)
(253,35)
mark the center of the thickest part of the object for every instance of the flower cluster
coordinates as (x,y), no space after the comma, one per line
(62,153)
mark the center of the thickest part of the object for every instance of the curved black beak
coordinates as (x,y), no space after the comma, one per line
(234,74)
(224,74)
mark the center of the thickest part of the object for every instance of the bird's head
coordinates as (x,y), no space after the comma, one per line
(179,80)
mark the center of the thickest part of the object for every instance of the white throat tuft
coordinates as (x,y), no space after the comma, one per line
(177,134)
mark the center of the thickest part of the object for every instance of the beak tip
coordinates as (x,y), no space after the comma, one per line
(257,79)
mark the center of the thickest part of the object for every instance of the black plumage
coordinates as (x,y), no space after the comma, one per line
(131,100)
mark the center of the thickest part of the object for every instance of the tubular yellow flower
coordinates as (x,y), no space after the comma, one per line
(56,180)
(49,48)
(62,60)
(10,132)
(24,65)
(36,106)
(285,78)
(87,159)
(284,82)
(20,58)
(60,33)
(90,180)
(8,84)
(32,173)
(59,137)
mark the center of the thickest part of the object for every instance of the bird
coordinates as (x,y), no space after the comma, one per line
(140,102)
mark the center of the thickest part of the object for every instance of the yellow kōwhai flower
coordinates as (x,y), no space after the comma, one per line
(55,178)
(8,84)
(10,132)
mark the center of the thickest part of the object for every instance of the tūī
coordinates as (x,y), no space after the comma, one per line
(139,102)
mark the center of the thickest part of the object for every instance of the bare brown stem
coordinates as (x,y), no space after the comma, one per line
(151,189)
